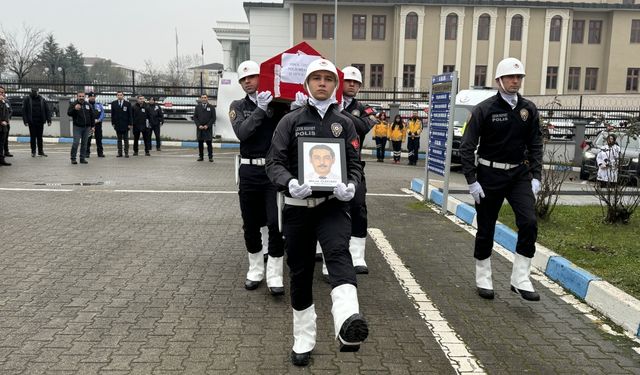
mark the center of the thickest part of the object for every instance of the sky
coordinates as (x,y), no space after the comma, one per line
(129,32)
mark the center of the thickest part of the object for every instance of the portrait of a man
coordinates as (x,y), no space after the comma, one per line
(322,164)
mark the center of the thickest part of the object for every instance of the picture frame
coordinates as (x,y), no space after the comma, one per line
(322,162)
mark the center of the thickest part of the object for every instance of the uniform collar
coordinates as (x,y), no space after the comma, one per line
(511,99)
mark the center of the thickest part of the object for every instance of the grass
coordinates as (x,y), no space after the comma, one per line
(611,252)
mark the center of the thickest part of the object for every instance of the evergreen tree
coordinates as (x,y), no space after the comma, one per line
(74,64)
(51,57)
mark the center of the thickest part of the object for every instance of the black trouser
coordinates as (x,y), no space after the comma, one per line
(156,132)
(396,149)
(3,140)
(6,139)
(201,148)
(381,143)
(258,206)
(35,134)
(413,145)
(515,185)
(358,206)
(146,137)
(329,224)
(123,137)
(97,131)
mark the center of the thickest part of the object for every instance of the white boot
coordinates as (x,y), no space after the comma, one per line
(520,282)
(484,283)
(325,271)
(256,271)
(318,252)
(264,233)
(356,249)
(304,335)
(274,275)
(349,325)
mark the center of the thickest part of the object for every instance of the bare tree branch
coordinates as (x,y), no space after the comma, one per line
(22,49)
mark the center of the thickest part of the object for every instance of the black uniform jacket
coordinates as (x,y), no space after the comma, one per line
(505,135)
(83,117)
(363,119)
(282,159)
(29,105)
(156,116)
(205,116)
(121,118)
(5,115)
(140,115)
(254,128)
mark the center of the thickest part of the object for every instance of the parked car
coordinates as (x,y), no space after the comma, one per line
(465,101)
(630,146)
(17,97)
(178,107)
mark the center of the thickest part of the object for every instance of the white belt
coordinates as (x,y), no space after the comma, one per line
(493,164)
(259,161)
(307,202)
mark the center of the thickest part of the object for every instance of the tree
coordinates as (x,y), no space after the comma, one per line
(3,54)
(151,75)
(22,50)
(178,73)
(74,64)
(51,57)
(104,71)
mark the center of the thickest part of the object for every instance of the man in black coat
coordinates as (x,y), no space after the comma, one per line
(140,112)
(5,114)
(122,121)
(84,118)
(156,118)
(35,112)
(205,119)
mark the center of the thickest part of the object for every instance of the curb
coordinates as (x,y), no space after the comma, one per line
(110,141)
(620,307)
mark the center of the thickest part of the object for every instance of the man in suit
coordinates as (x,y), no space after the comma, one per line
(156,119)
(205,119)
(122,121)
(141,125)
(5,113)
(7,127)
(35,112)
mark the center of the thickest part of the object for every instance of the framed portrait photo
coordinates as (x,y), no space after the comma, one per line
(321,162)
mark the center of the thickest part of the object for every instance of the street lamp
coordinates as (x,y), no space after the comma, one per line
(64,79)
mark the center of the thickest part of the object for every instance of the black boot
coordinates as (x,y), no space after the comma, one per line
(3,162)
(301,359)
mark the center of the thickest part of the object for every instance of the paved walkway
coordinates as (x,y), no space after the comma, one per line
(102,272)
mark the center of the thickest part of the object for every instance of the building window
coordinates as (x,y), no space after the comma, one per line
(632,79)
(448,68)
(635,31)
(577,32)
(516,28)
(377,75)
(552,77)
(359,28)
(480,78)
(309,25)
(378,26)
(360,67)
(328,26)
(574,79)
(595,32)
(451,27)
(409,75)
(484,23)
(411,26)
(591,79)
(555,30)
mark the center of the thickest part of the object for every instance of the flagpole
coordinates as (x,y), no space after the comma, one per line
(335,32)
(177,59)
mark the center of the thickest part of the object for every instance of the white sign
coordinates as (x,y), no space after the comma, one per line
(294,67)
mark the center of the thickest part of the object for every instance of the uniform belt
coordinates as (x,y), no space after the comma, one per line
(259,161)
(493,164)
(307,202)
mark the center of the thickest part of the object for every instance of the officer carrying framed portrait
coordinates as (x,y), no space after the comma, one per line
(323,164)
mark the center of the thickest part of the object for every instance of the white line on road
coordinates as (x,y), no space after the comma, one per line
(462,361)
(21,189)
(177,191)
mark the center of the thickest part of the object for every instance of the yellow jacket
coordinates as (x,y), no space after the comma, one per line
(381,130)
(397,134)
(414,127)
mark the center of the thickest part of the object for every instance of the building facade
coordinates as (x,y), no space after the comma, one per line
(568,47)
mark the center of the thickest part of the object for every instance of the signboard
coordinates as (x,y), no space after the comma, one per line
(440,134)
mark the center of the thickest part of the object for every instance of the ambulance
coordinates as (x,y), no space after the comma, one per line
(465,101)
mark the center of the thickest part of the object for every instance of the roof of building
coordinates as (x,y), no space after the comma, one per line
(501,3)
(211,66)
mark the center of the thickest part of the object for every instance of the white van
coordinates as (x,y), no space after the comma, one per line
(465,101)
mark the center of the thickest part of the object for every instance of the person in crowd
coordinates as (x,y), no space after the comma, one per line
(97,129)
(122,121)
(35,112)
(397,132)
(141,125)
(414,128)
(7,129)
(205,119)
(607,161)
(83,117)
(5,114)
(380,134)
(156,119)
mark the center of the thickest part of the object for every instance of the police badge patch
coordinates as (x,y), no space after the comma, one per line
(355,113)
(336,129)
(232,115)
(524,114)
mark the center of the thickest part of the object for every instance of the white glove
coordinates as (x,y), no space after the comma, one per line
(344,192)
(301,100)
(535,186)
(263,99)
(298,191)
(476,191)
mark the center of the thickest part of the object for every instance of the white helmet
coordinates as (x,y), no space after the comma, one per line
(321,64)
(352,73)
(248,68)
(509,66)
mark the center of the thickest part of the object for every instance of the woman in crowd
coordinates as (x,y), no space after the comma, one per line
(380,133)
(397,133)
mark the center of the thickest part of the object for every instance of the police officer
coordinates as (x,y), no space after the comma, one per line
(97,129)
(5,114)
(414,128)
(140,113)
(204,117)
(122,121)
(318,215)
(7,129)
(254,118)
(83,120)
(156,117)
(507,129)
